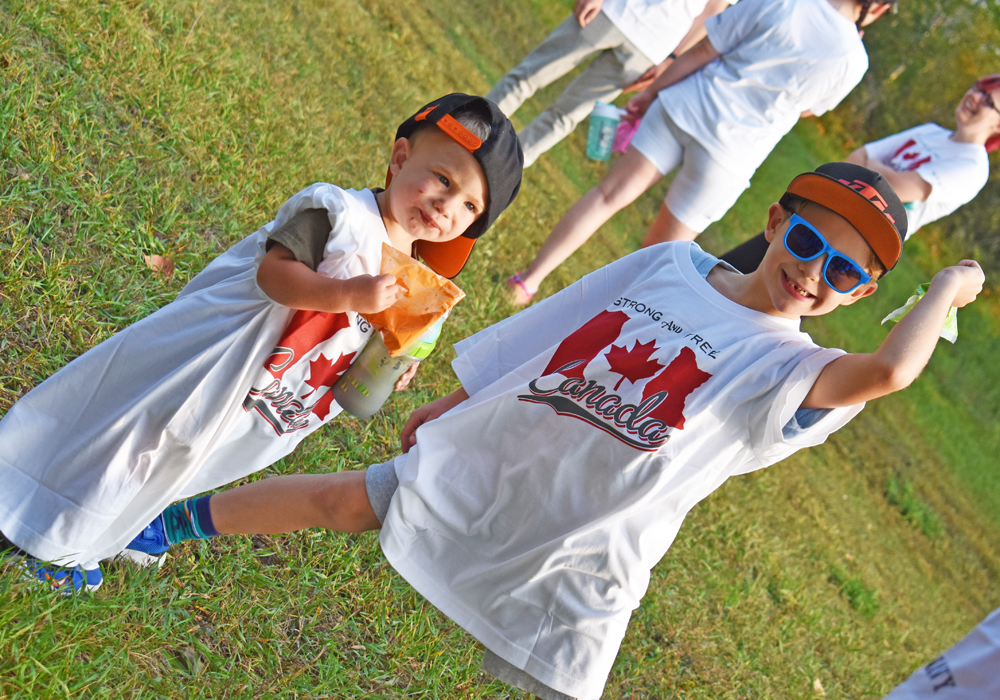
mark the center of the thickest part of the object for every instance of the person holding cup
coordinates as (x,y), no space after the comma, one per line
(631,42)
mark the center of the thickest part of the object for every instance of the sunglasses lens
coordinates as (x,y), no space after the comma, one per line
(842,274)
(803,242)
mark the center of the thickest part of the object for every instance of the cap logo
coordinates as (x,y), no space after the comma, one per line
(871,194)
(463,136)
(423,115)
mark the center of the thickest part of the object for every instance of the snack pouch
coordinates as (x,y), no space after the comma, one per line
(950,330)
(427,298)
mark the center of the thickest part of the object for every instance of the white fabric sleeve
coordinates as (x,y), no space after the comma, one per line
(967,671)
(767,430)
(733,25)
(503,347)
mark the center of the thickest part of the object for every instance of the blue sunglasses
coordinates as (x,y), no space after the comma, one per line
(840,273)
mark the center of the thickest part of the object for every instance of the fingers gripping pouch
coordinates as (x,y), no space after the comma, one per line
(427,298)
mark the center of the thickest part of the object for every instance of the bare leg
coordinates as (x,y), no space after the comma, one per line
(628,178)
(668,227)
(336,501)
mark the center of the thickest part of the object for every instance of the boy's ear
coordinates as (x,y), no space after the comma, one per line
(865,290)
(400,152)
(776,216)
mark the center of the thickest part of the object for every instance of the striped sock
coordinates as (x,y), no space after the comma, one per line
(189,520)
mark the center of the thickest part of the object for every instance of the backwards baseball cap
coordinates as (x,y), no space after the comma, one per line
(865,199)
(987,84)
(499,156)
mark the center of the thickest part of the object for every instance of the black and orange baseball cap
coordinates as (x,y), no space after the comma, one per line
(865,199)
(499,156)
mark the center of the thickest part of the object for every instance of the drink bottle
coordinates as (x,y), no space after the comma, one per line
(367,383)
(603,123)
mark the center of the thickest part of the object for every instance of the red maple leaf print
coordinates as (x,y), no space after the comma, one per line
(324,372)
(679,379)
(306,330)
(582,345)
(633,364)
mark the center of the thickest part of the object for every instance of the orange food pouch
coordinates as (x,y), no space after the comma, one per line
(427,298)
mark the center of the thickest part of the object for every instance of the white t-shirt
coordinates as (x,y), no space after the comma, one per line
(217,384)
(532,513)
(955,171)
(970,670)
(779,58)
(655,27)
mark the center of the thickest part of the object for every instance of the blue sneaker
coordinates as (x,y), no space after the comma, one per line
(149,546)
(61,579)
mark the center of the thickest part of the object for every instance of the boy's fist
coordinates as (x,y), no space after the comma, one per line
(373,293)
(969,279)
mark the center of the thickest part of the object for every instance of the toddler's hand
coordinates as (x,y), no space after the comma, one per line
(970,279)
(405,378)
(374,293)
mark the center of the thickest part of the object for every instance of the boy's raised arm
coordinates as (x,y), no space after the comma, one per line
(851,379)
(291,283)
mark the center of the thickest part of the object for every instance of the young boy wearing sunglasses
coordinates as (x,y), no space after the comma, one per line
(530,504)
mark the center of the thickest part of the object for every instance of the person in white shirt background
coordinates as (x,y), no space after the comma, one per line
(715,114)
(634,41)
(933,170)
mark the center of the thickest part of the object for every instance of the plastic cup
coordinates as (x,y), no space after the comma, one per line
(368,383)
(603,123)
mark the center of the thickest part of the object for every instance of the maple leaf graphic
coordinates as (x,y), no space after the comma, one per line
(324,371)
(327,376)
(582,345)
(633,364)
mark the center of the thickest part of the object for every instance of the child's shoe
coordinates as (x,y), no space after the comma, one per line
(149,546)
(61,579)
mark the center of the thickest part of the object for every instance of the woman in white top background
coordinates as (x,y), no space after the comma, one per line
(933,170)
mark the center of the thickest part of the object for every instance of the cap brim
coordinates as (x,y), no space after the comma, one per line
(446,258)
(877,230)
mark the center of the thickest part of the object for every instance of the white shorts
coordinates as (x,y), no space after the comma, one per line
(702,190)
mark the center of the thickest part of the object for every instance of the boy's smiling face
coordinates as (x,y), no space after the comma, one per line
(792,288)
(437,191)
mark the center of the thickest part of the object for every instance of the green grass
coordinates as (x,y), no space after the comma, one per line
(176,128)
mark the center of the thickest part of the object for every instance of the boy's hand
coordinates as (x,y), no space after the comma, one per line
(373,293)
(404,380)
(968,277)
(586,10)
(429,412)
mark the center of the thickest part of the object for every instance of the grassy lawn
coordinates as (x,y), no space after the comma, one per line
(146,127)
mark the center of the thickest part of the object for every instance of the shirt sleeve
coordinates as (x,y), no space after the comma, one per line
(305,234)
(780,427)
(503,347)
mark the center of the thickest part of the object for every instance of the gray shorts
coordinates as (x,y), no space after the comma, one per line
(381,483)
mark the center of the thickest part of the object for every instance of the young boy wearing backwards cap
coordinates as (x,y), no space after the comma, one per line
(234,373)
(530,504)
